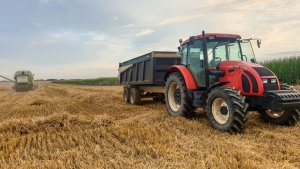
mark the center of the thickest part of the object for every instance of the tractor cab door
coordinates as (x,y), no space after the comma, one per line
(192,57)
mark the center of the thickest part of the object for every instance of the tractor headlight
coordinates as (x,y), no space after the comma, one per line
(265,80)
(273,80)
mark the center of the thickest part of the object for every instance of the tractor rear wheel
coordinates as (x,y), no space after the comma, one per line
(226,109)
(135,96)
(176,96)
(284,117)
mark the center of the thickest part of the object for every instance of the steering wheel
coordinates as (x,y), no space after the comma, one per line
(218,58)
(214,61)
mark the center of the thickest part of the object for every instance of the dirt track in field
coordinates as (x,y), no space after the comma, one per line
(62,126)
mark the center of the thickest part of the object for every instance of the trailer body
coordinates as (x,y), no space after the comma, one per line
(147,70)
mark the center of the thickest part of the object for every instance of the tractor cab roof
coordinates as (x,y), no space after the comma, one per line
(215,35)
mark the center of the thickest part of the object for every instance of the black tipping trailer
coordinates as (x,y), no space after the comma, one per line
(143,76)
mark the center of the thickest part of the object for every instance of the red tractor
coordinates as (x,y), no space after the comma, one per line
(218,72)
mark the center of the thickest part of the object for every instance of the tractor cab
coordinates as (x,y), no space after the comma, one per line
(207,51)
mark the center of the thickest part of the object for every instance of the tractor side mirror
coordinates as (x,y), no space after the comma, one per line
(258,43)
(180,41)
(179,47)
(192,40)
(253,60)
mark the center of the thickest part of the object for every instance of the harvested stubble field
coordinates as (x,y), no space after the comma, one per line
(68,126)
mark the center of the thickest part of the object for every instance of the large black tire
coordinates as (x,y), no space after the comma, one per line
(226,109)
(135,96)
(176,97)
(126,93)
(286,117)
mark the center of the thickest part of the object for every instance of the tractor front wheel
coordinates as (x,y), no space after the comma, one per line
(226,109)
(284,117)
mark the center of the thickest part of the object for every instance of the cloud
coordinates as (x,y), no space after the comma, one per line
(128,26)
(85,37)
(54,37)
(145,32)
(38,24)
(178,19)
(42,42)
(99,37)
(62,34)
(44,1)
(115,18)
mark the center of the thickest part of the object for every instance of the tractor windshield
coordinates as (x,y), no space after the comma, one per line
(233,50)
(247,50)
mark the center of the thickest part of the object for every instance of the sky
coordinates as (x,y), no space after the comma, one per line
(67,39)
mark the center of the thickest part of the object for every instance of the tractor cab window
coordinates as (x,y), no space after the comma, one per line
(192,56)
(233,50)
(195,54)
(247,50)
(184,54)
(216,53)
(195,61)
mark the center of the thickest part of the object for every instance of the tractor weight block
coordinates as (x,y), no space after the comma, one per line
(284,99)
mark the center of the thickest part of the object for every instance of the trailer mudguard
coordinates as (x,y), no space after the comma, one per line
(186,73)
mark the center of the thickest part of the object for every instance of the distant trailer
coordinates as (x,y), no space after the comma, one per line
(144,76)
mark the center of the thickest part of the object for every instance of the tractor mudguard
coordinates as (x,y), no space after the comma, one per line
(204,95)
(186,73)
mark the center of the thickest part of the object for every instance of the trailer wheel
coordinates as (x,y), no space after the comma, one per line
(285,117)
(176,96)
(126,93)
(226,109)
(135,96)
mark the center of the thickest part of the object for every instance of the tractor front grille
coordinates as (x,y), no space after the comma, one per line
(262,71)
(270,86)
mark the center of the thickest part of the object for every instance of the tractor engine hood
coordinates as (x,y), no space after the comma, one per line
(250,78)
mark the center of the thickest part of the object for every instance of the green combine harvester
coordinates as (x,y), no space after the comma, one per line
(24,81)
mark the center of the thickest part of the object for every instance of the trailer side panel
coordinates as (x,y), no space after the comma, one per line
(148,69)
